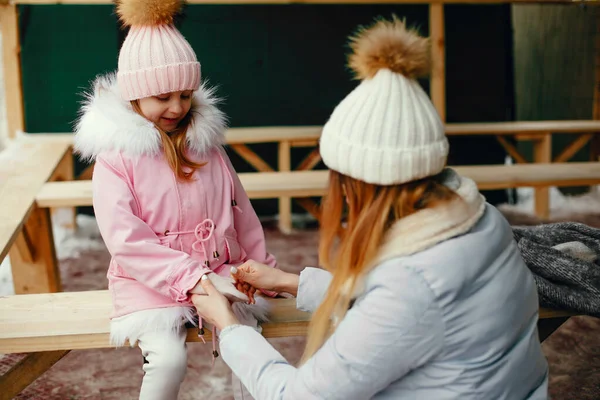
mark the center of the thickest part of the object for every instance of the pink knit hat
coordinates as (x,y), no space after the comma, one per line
(155,57)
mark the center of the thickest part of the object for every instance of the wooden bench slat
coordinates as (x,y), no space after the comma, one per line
(272,134)
(65,194)
(530,127)
(24,167)
(533,175)
(301,133)
(311,133)
(314,183)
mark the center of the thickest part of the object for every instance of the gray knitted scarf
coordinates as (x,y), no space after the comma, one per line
(564,258)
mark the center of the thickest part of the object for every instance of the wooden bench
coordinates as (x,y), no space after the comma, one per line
(48,326)
(25,229)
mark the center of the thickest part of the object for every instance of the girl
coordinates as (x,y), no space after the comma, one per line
(424,293)
(168,203)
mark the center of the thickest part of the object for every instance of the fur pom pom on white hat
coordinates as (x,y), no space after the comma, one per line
(148,12)
(386,131)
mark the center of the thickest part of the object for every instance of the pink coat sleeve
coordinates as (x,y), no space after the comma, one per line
(250,231)
(131,242)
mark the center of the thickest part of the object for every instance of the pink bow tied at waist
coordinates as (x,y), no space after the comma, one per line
(203,233)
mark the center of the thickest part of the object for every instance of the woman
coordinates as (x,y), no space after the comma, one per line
(424,293)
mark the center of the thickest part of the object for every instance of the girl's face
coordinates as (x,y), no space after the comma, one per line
(167,110)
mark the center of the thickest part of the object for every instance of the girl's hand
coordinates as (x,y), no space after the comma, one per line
(213,306)
(223,285)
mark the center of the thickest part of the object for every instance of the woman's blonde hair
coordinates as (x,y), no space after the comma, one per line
(174,145)
(348,249)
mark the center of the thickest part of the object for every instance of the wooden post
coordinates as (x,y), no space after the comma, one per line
(36,271)
(542,153)
(11,56)
(285,203)
(438,58)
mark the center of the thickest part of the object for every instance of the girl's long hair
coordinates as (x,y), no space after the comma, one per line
(174,145)
(354,219)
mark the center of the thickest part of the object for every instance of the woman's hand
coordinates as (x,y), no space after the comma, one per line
(253,275)
(213,306)
(225,286)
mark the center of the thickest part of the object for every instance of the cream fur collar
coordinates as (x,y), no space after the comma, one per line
(108,123)
(426,228)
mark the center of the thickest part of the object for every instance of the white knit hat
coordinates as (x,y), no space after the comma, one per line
(386,131)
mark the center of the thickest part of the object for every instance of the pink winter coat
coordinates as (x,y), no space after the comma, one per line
(164,234)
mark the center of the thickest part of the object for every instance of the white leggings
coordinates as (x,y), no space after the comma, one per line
(166,365)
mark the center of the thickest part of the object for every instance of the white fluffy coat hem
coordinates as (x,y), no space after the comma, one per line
(131,327)
(171,320)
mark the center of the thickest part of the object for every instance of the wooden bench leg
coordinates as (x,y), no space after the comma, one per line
(542,153)
(33,257)
(87,173)
(65,172)
(26,371)
(595,148)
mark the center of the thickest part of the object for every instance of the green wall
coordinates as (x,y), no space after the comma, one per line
(273,65)
(554,68)
(554,65)
(62,49)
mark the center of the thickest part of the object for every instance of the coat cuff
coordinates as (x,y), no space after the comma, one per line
(184,280)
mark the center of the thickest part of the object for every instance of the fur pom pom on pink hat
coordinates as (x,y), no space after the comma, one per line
(155,57)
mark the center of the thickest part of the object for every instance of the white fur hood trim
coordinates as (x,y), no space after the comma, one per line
(109,123)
